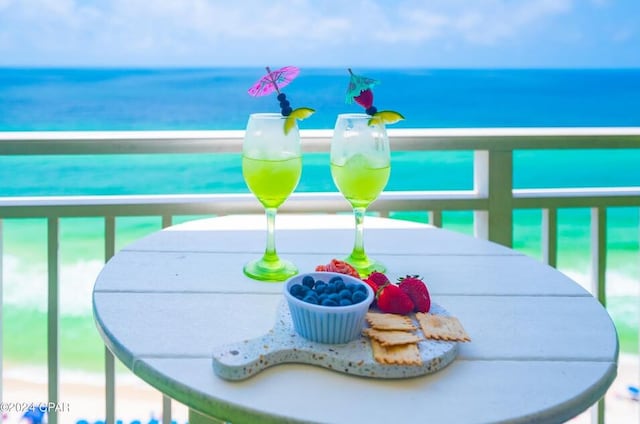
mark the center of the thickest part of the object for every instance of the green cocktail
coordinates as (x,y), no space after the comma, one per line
(360,166)
(272,181)
(361,179)
(271,166)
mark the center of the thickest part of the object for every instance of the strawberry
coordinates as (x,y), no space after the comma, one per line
(365,98)
(416,289)
(391,299)
(375,280)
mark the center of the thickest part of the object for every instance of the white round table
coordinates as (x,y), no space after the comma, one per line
(542,350)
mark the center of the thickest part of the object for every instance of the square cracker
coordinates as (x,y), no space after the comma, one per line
(391,337)
(389,321)
(406,354)
(442,327)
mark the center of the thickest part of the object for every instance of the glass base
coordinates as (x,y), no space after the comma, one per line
(273,270)
(364,265)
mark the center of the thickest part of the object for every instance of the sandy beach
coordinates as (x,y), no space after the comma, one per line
(620,408)
(82,396)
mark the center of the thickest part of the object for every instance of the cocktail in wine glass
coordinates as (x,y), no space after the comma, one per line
(271,167)
(360,167)
(360,161)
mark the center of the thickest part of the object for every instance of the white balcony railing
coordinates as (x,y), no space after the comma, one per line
(492,199)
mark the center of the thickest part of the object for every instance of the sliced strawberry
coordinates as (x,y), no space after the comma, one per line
(375,280)
(365,98)
(416,289)
(371,284)
(391,299)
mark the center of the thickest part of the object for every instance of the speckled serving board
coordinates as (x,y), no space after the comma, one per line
(282,344)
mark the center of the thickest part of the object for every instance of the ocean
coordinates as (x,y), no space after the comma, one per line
(208,99)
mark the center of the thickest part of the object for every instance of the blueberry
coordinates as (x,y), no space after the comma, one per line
(352,286)
(345,302)
(358,297)
(335,279)
(344,294)
(329,302)
(331,288)
(287,111)
(340,285)
(322,297)
(281,97)
(361,288)
(296,290)
(304,290)
(311,298)
(311,293)
(371,110)
(334,296)
(308,281)
(284,103)
(320,287)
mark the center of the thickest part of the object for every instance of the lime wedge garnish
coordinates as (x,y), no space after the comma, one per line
(385,117)
(299,113)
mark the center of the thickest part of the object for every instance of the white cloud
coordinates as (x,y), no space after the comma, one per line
(478,22)
(201,31)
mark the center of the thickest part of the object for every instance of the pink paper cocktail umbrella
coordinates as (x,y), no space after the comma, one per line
(274,81)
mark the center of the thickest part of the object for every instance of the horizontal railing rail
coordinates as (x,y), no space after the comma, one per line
(219,141)
(492,199)
(219,204)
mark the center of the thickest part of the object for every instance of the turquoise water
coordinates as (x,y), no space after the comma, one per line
(112,99)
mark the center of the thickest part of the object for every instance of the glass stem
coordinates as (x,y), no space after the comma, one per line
(358,247)
(270,254)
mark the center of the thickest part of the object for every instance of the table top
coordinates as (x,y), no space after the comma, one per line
(542,350)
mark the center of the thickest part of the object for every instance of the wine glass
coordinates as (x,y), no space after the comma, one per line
(360,167)
(271,167)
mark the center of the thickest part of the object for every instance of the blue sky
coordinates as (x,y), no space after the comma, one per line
(330,33)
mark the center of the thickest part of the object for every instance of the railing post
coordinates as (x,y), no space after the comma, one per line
(53,317)
(493,179)
(435,218)
(166,409)
(599,253)
(167,220)
(550,236)
(109,362)
(598,279)
(1,308)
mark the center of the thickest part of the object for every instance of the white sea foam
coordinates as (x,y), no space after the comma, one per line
(25,284)
(38,374)
(623,293)
(618,283)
